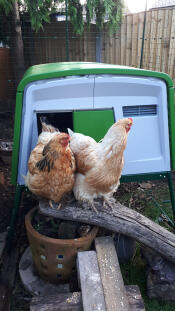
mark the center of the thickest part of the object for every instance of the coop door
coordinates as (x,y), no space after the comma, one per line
(94,123)
(60,120)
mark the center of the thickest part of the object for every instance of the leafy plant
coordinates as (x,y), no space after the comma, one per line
(105,11)
(101,11)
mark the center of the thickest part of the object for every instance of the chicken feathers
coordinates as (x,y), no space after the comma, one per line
(51,165)
(99,165)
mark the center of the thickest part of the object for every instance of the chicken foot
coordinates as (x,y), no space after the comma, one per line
(90,205)
(109,202)
(51,205)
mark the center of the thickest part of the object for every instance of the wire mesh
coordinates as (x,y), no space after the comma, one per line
(123,47)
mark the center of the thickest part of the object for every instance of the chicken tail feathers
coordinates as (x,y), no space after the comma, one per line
(70,132)
(47,127)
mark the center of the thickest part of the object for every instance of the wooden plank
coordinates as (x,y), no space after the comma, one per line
(117,42)
(85,43)
(159,41)
(166,40)
(73,301)
(123,41)
(111,49)
(134,298)
(59,302)
(128,40)
(122,220)
(153,40)
(172,47)
(91,286)
(107,46)
(104,44)
(134,40)
(146,54)
(112,281)
(140,37)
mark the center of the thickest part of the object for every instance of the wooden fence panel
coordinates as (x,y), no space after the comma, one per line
(153,40)
(172,48)
(159,38)
(123,41)
(147,39)
(122,48)
(117,42)
(128,40)
(140,37)
(134,40)
(166,40)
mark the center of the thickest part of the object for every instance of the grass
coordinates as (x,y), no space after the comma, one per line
(134,274)
(147,199)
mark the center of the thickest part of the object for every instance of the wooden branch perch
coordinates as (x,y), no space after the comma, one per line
(121,220)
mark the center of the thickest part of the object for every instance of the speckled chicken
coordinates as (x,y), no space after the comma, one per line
(51,165)
(99,165)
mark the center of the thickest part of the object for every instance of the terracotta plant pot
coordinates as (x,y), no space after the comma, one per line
(55,258)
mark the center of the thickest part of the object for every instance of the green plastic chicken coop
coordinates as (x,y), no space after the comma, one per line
(89,98)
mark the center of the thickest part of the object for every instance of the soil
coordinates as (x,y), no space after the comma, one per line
(58,229)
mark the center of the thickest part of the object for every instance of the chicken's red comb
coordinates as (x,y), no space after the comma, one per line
(131,119)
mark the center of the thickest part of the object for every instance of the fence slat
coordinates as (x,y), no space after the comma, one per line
(159,41)
(172,47)
(166,40)
(153,40)
(128,39)
(140,37)
(123,41)
(146,55)
(134,40)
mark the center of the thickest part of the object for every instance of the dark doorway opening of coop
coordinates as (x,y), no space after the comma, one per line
(60,120)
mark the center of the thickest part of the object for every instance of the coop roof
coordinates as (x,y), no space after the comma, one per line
(55,70)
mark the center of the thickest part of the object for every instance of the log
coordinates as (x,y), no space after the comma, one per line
(121,220)
(111,277)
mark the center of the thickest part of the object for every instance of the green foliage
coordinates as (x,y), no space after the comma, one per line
(102,11)
(75,11)
(105,11)
(39,12)
(6,6)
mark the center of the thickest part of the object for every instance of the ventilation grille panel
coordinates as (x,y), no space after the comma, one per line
(144,110)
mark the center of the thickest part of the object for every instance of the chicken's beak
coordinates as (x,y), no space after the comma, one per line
(129,125)
(131,119)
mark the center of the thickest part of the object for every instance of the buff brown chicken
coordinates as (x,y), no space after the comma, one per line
(51,165)
(99,165)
